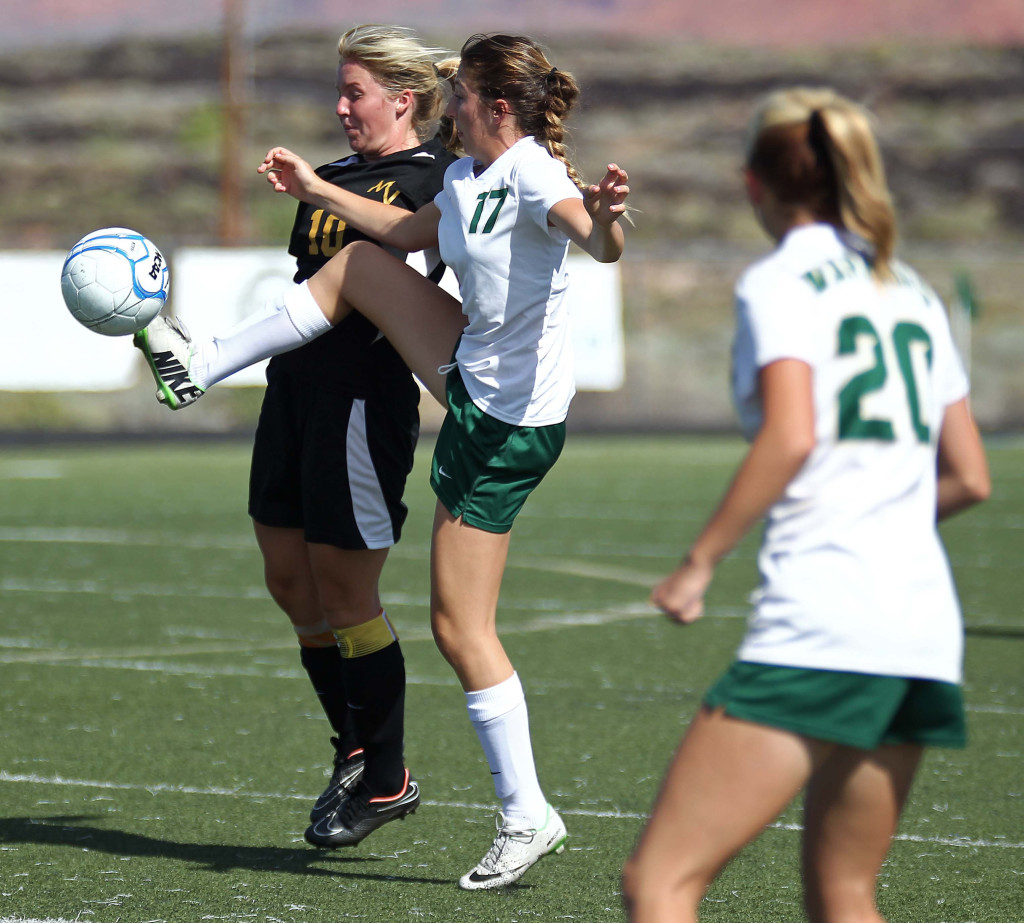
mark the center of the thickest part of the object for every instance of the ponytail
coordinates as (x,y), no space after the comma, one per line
(815,149)
(865,204)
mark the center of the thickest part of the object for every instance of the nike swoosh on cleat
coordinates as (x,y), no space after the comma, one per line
(476,876)
(327,829)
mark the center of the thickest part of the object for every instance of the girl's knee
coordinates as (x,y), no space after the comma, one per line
(841,902)
(287,589)
(631,889)
(453,640)
(652,895)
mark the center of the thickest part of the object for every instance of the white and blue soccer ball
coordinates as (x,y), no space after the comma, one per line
(115,281)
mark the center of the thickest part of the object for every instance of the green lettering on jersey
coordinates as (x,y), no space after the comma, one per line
(821,277)
(856,333)
(852,424)
(500,195)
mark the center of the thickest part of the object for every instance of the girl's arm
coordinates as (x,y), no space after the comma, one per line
(963,469)
(778,452)
(593,224)
(404,230)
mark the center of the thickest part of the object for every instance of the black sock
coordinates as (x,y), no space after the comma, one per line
(376,692)
(326,670)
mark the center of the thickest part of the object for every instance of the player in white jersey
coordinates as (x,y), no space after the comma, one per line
(848,385)
(501,363)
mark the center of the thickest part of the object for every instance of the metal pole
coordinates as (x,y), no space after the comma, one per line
(233,93)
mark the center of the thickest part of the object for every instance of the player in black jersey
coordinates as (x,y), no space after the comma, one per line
(335,443)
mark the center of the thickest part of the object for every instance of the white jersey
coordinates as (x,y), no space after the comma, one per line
(854,576)
(516,353)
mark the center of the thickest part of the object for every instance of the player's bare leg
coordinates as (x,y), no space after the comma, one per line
(728,779)
(325,589)
(467,565)
(421,320)
(852,807)
(290,578)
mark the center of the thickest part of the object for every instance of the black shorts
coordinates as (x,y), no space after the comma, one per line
(332,465)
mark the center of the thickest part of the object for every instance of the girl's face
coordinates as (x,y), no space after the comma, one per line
(472,116)
(375,122)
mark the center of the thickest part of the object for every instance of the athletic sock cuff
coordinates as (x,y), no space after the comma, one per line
(495,701)
(304,312)
(368,638)
(319,635)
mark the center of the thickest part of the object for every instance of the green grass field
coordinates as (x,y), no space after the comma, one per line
(160,745)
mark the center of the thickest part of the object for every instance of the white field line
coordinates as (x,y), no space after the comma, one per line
(150,664)
(563,566)
(155,659)
(90,536)
(107,662)
(113,658)
(591,570)
(408,551)
(163,788)
(548,622)
(33,920)
(557,565)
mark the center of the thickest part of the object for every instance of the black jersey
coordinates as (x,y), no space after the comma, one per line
(353,357)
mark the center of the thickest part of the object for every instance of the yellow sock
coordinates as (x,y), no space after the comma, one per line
(368,638)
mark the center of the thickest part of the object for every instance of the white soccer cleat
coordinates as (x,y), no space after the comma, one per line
(514,851)
(168,350)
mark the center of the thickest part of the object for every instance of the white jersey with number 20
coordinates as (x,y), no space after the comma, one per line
(853,573)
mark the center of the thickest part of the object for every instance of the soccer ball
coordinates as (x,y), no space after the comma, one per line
(115,281)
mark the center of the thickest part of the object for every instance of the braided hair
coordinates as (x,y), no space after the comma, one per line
(516,69)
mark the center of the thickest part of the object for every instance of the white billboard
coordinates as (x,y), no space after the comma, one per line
(43,349)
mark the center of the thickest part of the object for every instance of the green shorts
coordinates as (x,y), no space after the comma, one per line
(484,469)
(854,709)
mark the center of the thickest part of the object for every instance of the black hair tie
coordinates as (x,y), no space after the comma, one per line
(817,137)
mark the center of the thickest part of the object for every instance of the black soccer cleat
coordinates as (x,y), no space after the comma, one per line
(348,770)
(361,813)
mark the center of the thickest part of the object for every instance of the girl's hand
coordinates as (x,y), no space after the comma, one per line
(606,201)
(681,594)
(287,172)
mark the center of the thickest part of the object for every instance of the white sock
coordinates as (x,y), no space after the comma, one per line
(502,724)
(283,324)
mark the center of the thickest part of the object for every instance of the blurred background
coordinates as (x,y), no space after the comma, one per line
(154,115)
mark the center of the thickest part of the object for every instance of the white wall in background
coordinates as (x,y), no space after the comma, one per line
(43,349)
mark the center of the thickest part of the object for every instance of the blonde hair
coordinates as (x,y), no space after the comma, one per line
(516,69)
(815,148)
(398,61)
